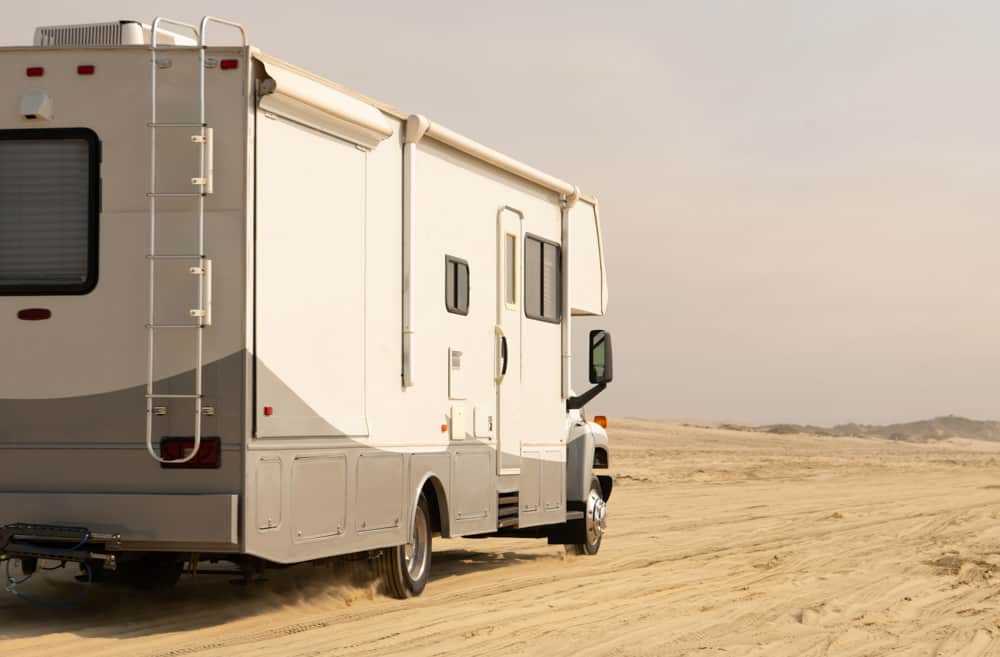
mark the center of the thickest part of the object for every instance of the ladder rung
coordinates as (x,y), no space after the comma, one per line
(175,256)
(177,125)
(174,194)
(168,396)
(174,326)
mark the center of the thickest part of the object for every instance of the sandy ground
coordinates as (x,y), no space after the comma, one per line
(722,543)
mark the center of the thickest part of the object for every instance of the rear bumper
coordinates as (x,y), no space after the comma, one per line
(161,522)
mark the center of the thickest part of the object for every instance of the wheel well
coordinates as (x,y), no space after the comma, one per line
(607,484)
(600,457)
(434,493)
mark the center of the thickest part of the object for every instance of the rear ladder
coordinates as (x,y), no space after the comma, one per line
(202,267)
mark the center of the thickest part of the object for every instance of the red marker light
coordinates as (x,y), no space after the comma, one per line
(85,69)
(35,71)
(175,449)
(268,411)
(229,64)
(34,314)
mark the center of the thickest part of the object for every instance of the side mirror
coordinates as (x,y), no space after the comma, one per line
(601,362)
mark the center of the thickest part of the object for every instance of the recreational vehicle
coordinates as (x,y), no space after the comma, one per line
(251,316)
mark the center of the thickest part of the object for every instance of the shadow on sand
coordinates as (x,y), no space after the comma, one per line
(211,599)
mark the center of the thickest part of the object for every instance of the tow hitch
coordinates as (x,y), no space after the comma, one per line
(30,543)
(21,541)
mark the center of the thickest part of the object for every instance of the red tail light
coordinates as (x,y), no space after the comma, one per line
(34,314)
(85,69)
(229,64)
(34,71)
(208,456)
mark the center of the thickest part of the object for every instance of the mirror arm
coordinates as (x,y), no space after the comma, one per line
(578,402)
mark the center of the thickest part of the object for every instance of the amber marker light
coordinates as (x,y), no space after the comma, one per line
(601,420)
(444,427)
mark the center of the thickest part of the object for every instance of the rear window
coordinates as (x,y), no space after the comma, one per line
(49,205)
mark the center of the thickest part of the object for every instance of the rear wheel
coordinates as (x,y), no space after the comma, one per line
(595,520)
(404,569)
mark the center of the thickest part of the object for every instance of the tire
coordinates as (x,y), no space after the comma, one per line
(595,521)
(404,569)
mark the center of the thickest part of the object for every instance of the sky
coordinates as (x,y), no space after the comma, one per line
(799,198)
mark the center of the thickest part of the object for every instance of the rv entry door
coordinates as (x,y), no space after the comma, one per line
(508,342)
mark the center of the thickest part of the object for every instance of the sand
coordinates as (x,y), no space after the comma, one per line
(721,543)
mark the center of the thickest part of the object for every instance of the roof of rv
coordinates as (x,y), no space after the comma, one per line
(423,127)
(439,132)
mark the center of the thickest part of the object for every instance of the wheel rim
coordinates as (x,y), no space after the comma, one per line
(597,517)
(416,550)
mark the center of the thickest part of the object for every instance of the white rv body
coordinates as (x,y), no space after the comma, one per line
(336,382)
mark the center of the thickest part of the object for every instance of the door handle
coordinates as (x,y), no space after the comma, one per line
(501,354)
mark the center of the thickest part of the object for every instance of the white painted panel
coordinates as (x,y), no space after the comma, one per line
(379,491)
(542,494)
(471,499)
(310,282)
(588,287)
(319,497)
(530,492)
(553,478)
(268,493)
(161,518)
(456,374)
(68,356)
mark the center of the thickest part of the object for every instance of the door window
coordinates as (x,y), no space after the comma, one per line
(510,271)
(542,279)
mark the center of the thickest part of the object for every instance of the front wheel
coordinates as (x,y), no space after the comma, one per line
(404,569)
(595,520)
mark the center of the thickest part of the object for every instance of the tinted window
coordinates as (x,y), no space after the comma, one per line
(542,279)
(48,211)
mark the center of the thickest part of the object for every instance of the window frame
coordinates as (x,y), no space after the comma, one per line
(93,208)
(454,309)
(559,274)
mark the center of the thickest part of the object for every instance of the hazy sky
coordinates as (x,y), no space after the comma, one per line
(799,199)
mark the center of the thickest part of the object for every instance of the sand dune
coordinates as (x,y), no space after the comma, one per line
(722,543)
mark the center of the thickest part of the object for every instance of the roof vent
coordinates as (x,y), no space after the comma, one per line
(117,33)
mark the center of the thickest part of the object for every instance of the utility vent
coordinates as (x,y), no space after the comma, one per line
(118,33)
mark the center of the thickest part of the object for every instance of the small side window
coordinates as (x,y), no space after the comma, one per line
(456,285)
(542,279)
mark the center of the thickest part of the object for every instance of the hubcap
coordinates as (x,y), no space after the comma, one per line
(597,517)
(415,551)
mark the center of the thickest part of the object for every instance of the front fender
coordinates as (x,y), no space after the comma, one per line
(583,440)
